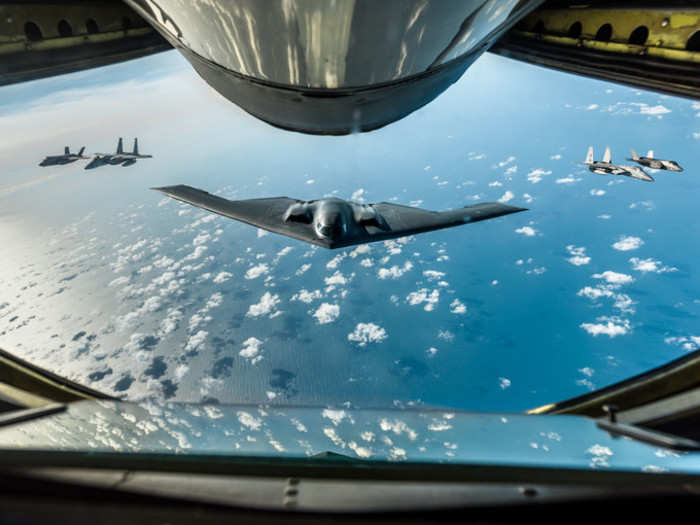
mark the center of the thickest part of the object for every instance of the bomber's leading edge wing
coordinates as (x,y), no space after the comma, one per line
(407,220)
(267,214)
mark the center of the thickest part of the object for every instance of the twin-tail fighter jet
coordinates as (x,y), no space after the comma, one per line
(656,164)
(606,167)
(66,158)
(336,223)
(120,157)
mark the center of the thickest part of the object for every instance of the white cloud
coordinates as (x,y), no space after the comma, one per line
(430,298)
(536,175)
(267,303)
(511,170)
(650,265)
(334,437)
(506,162)
(367,263)
(336,279)
(335,261)
(360,250)
(654,110)
(527,197)
(303,269)
(628,243)
(395,271)
(433,275)
(495,183)
(251,350)
(202,238)
(578,255)
(508,195)
(327,313)
(256,271)
(222,277)
(691,342)
(457,307)
(569,179)
(610,326)
(605,216)
(248,420)
(398,427)
(365,333)
(503,382)
(362,452)
(357,195)
(262,233)
(305,296)
(595,293)
(528,231)
(336,416)
(555,157)
(592,107)
(614,277)
(196,341)
(597,193)
(310,181)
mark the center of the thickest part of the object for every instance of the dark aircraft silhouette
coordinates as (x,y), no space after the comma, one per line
(336,223)
(122,157)
(656,164)
(66,158)
(606,167)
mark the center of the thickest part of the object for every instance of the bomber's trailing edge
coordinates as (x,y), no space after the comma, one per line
(656,164)
(606,167)
(66,158)
(336,223)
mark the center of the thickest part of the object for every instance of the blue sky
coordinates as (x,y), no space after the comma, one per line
(140,296)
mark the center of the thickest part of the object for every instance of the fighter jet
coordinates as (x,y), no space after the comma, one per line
(332,222)
(605,167)
(122,157)
(656,164)
(131,158)
(66,158)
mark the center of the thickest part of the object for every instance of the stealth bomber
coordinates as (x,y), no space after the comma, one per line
(66,158)
(606,167)
(656,164)
(336,223)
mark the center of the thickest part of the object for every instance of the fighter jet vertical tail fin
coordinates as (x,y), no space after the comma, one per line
(650,154)
(66,150)
(634,155)
(136,146)
(120,147)
(607,155)
(589,155)
(82,150)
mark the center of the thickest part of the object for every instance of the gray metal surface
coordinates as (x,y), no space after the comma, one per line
(347,223)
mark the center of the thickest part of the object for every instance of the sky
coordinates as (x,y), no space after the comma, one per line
(118,288)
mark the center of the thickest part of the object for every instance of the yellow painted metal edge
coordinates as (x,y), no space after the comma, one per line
(72,41)
(680,55)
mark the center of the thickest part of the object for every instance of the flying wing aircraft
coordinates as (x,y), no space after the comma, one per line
(336,223)
(66,158)
(656,164)
(606,167)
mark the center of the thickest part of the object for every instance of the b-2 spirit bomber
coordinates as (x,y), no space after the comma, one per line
(336,223)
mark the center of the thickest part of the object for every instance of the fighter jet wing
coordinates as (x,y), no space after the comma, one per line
(267,214)
(407,220)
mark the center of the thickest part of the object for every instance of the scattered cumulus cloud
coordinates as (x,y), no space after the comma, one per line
(457,307)
(357,195)
(251,350)
(628,243)
(265,306)
(650,265)
(508,195)
(578,255)
(614,277)
(424,295)
(395,271)
(256,271)
(528,231)
(366,333)
(535,176)
(610,326)
(327,313)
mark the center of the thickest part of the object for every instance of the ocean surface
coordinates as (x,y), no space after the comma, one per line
(110,284)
